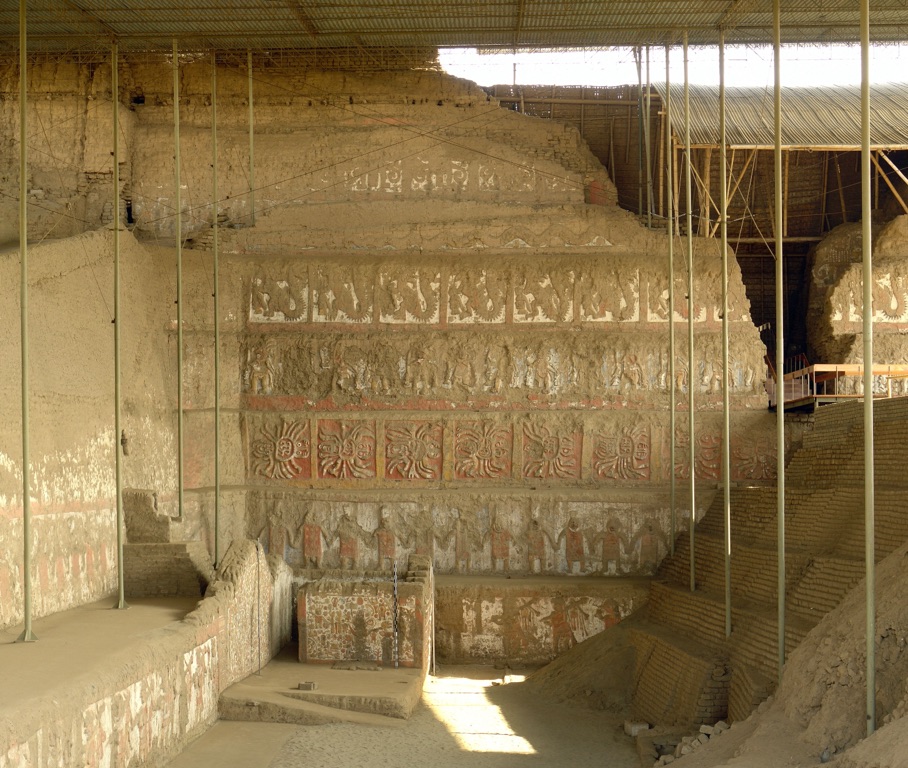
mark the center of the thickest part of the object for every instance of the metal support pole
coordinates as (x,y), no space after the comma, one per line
(670,228)
(217,310)
(867,273)
(27,635)
(648,149)
(396,654)
(119,438)
(780,333)
(178,228)
(726,403)
(637,57)
(251,138)
(691,373)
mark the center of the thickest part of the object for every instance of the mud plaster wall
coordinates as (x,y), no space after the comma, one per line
(442,365)
(150,702)
(72,439)
(426,317)
(354,620)
(473,408)
(529,620)
(835,315)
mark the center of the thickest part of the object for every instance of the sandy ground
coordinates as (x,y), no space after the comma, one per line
(463,720)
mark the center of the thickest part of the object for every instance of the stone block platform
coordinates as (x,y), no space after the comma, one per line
(346,692)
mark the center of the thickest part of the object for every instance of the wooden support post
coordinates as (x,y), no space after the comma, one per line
(838,174)
(660,163)
(889,184)
(706,200)
(780,339)
(785,195)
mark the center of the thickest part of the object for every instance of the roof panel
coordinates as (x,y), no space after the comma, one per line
(61,24)
(811,117)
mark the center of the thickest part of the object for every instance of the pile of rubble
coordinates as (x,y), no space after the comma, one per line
(666,747)
(690,743)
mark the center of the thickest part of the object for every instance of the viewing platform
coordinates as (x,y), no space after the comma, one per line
(807,386)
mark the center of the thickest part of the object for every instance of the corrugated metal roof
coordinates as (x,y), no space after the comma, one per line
(811,117)
(59,25)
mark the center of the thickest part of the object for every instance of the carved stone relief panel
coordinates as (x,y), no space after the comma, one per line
(408,294)
(545,290)
(890,295)
(477,296)
(454,367)
(551,452)
(544,295)
(609,296)
(279,293)
(622,453)
(463,533)
(342,294)
(346,449)
(483,450)
(707,452)
(413,450)
(281,450)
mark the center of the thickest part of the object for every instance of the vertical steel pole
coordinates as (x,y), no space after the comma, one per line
(251,139)
(869,480)
(27,635)
(726,403)
(118,430)
(638,54)
(691,365)
(646,140)
(178,226)
(780,331)
(217,309)
(670,222)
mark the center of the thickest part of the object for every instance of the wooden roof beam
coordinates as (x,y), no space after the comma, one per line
(300,14)
(91,18)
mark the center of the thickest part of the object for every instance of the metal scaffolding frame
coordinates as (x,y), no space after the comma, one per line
(94,29)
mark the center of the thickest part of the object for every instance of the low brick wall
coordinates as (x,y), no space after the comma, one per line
(158,694)
(677,686)
(527,620)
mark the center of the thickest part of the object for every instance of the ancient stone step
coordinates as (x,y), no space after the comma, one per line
(166,569)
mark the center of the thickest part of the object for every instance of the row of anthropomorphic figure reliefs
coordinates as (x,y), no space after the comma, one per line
(453,364)
(553,292)
(463,540)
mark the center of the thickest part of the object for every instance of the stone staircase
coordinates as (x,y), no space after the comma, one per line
(154,564)
(687,672)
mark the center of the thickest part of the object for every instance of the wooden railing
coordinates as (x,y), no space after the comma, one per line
(823,383)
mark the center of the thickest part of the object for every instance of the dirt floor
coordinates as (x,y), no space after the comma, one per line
(467,717)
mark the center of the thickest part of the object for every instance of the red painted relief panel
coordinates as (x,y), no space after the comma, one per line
(413,450)
(549,453)
(346,449)
(281,452)
(482,450)
(622,455)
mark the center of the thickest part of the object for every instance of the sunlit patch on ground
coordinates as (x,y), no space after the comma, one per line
(476,724)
